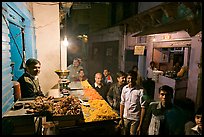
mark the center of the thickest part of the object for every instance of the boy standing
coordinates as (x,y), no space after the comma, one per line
(163,117)
(132,106)
(195,128)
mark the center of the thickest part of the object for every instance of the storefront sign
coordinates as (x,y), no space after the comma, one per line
(139,50)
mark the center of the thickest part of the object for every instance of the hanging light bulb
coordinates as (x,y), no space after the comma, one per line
(65,41)
(154,39)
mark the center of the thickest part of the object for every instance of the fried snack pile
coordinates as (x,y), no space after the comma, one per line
(69,105)
(99,110)
(40,105)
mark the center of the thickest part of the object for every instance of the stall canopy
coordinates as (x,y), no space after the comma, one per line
(167,17)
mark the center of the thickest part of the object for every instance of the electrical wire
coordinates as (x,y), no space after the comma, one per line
(53,3)
(40,3)
(42,26)
(46,24)
(35,27)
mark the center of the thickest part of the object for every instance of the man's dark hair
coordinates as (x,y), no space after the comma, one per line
(133,74)
(31,61)
(106,69)
(120,74)
(199,111)
(168,89)
(80,70)
(152,62)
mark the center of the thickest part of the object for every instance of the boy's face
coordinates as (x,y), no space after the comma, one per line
(81,73)
(131,81)
(165,98)
(198,120)
(105,72)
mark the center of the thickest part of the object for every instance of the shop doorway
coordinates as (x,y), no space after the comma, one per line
(130,59)
(103,55)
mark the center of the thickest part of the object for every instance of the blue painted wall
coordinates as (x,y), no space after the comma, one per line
(15,18)
(16,49)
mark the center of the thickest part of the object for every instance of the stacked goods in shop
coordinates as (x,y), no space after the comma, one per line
(99,110)
(92,94)
(85,84)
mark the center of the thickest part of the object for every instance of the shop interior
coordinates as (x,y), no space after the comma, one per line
(166,57)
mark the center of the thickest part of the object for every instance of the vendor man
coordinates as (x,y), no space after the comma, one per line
(29,81)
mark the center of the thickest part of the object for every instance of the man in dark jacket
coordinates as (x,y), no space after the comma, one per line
(163,117)
(115,91)
(29,82)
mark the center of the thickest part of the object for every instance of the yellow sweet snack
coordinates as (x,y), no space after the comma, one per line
(99,110)
(85,84)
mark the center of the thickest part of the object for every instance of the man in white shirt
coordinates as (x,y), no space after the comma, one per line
(150,70)
(132,106)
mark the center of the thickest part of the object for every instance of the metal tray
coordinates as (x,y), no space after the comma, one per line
(65,117)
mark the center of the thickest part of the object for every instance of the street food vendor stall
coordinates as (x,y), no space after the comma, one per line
(80,111)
